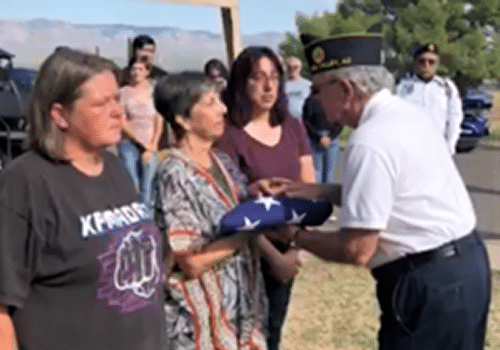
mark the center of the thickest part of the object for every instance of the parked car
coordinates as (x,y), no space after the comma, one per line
(15,87)
(475,126)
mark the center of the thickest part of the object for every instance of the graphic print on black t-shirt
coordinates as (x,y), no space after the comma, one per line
(73,235)
(129,263)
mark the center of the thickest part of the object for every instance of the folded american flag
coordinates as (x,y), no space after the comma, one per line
(267,212)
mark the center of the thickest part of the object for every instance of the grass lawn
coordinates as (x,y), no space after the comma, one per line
(494,119)
(334,307)
(494,113)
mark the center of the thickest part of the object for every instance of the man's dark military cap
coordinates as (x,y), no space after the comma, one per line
(425,48)
(342,51)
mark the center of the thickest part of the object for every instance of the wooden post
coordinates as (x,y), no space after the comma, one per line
(232,35)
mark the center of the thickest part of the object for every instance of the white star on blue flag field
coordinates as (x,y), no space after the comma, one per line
(267,212)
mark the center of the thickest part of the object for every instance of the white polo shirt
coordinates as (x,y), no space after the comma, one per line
(440,98)
(399,178)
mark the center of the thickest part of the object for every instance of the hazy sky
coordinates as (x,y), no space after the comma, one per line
(256,15)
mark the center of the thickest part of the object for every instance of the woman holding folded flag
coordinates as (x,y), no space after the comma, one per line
(216,295)
(266,141)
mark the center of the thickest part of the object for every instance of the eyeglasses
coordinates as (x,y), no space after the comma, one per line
(261,78)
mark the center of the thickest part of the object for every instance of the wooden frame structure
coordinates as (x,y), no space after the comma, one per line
(230,16)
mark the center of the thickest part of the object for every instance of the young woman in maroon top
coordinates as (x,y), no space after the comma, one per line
(265,141)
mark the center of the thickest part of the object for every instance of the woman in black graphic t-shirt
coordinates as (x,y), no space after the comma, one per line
(81,261)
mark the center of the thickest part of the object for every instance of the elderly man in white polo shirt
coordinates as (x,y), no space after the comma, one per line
(405,215)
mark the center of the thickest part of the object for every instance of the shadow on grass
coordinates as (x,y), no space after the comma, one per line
(333,307)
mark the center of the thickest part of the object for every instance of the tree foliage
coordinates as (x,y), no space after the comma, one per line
(466,32)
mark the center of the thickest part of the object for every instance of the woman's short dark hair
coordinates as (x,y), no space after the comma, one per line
(238,102)
(59,80)
(176,94)
(215,63)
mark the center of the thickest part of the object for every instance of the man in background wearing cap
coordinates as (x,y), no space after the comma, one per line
(438,96)
(404,215)
(297,88)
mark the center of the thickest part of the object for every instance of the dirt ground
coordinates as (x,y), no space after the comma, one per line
(334,307)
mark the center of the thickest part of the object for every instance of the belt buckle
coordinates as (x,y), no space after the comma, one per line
(449,251)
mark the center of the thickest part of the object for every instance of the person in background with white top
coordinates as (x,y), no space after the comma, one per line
(144,49)
(142,128)
(438,96)
(405,215)
(297,88)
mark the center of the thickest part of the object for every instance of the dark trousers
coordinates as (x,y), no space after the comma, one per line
(278,294)
(437,300)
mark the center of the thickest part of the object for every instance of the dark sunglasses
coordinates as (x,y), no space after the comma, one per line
(430,61)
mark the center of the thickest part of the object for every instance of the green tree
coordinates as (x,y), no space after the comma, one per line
(493,57)
(465,31)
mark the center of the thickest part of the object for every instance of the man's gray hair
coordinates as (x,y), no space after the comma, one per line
(368,79)
(59,80)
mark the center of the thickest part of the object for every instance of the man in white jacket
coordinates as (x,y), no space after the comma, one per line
(438,96)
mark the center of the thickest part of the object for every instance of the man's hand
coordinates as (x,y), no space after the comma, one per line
(329,192)
(268,187)
(325,141)
(283,234)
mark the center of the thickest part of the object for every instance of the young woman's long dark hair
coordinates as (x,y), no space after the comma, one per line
(238,103)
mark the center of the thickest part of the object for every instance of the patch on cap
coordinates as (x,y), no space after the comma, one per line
(341,51)
(425,48)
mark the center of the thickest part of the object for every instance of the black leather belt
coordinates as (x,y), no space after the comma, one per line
(410,261)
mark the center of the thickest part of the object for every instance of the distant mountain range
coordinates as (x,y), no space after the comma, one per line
(177,49)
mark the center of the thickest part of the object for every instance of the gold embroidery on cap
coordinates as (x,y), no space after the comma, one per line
(318,54)
(333,64)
